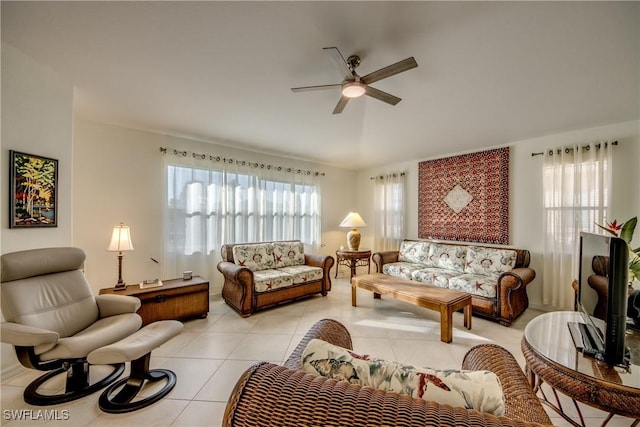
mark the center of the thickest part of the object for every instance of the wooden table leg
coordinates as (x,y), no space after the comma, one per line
(446,324)
(468,311)
(353,296)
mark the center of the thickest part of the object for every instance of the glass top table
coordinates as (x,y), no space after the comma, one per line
(552,358)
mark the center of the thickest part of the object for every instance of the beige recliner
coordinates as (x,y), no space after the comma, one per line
(54,321)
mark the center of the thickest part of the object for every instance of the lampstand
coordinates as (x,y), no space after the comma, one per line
(120,242)
(353,220)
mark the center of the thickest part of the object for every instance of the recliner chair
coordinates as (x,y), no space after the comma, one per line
(54,321)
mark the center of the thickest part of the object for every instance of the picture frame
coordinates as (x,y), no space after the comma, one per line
(33,191)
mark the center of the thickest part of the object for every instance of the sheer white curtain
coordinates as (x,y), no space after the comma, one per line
(212,202)
(388,218)
(576,191)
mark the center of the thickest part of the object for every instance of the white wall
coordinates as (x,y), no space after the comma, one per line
(37,112)
(37,115)
(525,188)
(119,177)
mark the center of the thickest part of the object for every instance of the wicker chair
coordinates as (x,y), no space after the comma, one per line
(273,395)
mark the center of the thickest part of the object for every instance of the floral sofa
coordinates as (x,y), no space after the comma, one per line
(496,277)
(260,275)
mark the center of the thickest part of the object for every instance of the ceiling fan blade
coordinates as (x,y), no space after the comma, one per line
(342,102)
(309,88)
(383,73)
(338,59)
(382,96)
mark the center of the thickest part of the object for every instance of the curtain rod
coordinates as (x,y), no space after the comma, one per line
(184,153)
(567,149)
(389,175)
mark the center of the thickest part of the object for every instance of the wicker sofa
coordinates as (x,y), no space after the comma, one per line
(265,274)
(273,395)
(496,278)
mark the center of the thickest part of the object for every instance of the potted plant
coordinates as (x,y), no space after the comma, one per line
(625,232)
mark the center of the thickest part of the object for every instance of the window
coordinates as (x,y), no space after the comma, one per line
(576,192)
(207,208)
(388,199)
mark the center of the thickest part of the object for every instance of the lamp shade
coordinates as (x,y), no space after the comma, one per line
(353,220)
(120,239)
(353,89)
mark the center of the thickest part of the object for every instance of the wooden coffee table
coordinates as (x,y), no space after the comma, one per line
(446,301)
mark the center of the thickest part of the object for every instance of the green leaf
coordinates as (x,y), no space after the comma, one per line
(626,233)
(634,266)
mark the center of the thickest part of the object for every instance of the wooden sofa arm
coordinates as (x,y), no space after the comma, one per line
(521,402)
(272,395)
(516,277)
(385,257)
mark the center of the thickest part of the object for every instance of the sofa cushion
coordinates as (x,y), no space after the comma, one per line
(434,276)
(287,254)
(403,270)
(449,257)
(489,261)
(255,256)
(479,390)
(268,280)
(303,273)
(415,252)
(475,284)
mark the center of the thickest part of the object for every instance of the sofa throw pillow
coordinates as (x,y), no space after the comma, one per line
(449,257)
(489,261)
(479,390)
(287,254)
(255,257)
(415,252)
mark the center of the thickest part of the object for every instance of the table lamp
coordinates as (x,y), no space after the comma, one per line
(353,221)
(120,242)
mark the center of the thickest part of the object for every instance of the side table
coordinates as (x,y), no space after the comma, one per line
(552,358)
(176,299)
(353,259)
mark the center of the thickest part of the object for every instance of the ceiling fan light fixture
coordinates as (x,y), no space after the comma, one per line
(353,89)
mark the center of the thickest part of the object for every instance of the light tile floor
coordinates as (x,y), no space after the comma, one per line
(210,354)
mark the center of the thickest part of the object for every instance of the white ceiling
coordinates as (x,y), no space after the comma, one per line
(490,73)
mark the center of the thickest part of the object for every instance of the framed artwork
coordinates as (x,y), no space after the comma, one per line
(33,192)
(465,198)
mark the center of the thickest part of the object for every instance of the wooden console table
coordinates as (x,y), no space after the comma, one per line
(445,301)
(353,259)
(552,358)
(176,299)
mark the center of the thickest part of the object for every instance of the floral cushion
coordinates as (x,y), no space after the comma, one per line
(288,253)
(256,256)
(475,284)
(479,390)
(268,280)
(303,273)
(450,257)
(434,276)
(403,270)
(415,252)
(489,261)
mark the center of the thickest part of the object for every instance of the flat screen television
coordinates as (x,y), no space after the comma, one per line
(609,340)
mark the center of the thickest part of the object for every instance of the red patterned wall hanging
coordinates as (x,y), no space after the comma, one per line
(465,198)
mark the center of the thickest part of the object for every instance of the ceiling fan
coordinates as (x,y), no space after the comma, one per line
(354,86)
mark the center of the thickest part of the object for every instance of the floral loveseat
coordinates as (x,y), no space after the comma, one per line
(495,277)
(260,275)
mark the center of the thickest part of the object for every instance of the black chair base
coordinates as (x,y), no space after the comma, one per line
(77,385)
(123,401)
